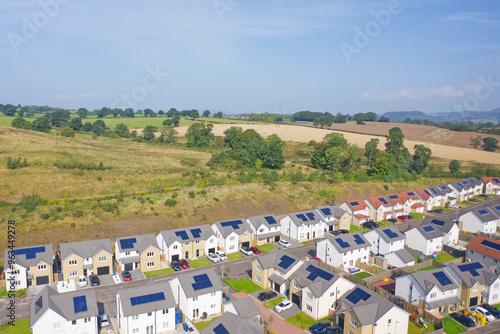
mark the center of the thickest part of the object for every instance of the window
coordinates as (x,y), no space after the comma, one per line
(495,260)
(150,314)
(258,268)
(73,273)
(212,294)
(102,258)
(195,298)
(261,230)
(495,286)
(135,330)
(197,242)
(471,252)
(352,322)
(165,311)
(232,238)
(484,256)
(150,254)
(295,285)
(127,253)
(212,306)
(186,244)
(135,317)
(474,287)
(309,308)
(309,295)
(150,264)
(332,294)
(175,247)
(495,297)
(165,324)
(86,320)
(351,332)
(57,325)
(433,295)
(231,247)
(388,321)
(72,263)
(73,322)
(42,267)
(245,234)
(257,278)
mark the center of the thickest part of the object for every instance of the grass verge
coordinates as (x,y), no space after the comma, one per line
(20,327)
(303,321)
(417,215)
(274,302)
(443,208)
(202,324)
(160,272)
(450,326)
(266,248)
(200,263)
(443,257)
(244,284)
(3,292)
(235,256)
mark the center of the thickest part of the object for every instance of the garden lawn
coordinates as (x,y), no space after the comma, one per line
(244,284)
(450,326)
(363,274)
(497,306)
(443,257)
(200,263)
(424,269)
(202,324)
(235,256)
(266,248)
(160,272)
(414,329)
(20,327)
(417,215)
(303,321)
(443,208)
(274,302)
(3,292)
(465,203)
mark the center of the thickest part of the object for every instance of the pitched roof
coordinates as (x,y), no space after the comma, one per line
(379,201)
(368,311)
(412,195)
(30,256)
(404,255)
(318,284)
(445,189)
(485,246)
(258,221)
(428,231)
(306,217)
(63,304)
(396,199)
(238,226)
(128,298)
(274,257)
(357,204)
(348,242)
(443,225)
(142,242)
(85,249)
(330,211)
(427,280)
(473,272)
(424,193)
(246,307)
(177,235)
(188,279)
(487,214)
(436,191)
(389,233)
(231,323)
(491,179)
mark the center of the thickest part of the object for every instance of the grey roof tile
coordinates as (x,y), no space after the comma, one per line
(151,287)
(85,249)
(170,236)
(143,242)
(187,280)
(20,259)
(338,240)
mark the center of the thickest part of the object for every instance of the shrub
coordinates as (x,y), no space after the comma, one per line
(203,192)
(170,202)
(58,209)
(29,202)
(44,216)
(99,178)
(192,194)
(78,213)
(174,195)
(216,199)
(386,187)
(68,132)
(16,163)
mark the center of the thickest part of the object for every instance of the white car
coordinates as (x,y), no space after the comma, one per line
(284,243)
(453,206)
(213,257)
(284,305)
(222,256)
(246,251)
(486,313)
(82,281)
(104,320)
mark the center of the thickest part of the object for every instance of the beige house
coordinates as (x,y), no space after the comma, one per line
(272,270)
(93,257)
(187,242)
(31,266)
(334,217)
(234,234)
(138,252)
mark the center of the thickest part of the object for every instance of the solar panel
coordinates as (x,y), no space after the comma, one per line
(354,203)
(153,297)
(201,282)
(80,304)
(434,191)
(472,180)
(381,199)
(270,220)
(182,234)
(390,233)
(491,244)
(427,192)
(496,180)
(326,211)
(30,252)
(460,184)
(315,272)
(497,207)
(437,222)
(196,232)
(302,217)
(393,197)
(411,193)
(127,243)
(285,262)
(442,278)
(235,224)
(444,187)
(358,240)
(483,212)
(428,229)
(357,295)
(310,215)
(220,329)
(342,243)
(471,267)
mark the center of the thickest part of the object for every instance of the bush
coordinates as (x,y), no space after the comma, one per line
(170,202)
(80,165)
(216,199)
(174,195)
(68,132)
(203,192)
(16,163)
(44,216)
(29,202)
(78,213)
(192,194)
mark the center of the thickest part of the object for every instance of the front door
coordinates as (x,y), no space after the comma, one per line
(149,329)
(197,252)
(307,235)
(196,313)
(277,287)
(277,238)
(187,255)
(314,234)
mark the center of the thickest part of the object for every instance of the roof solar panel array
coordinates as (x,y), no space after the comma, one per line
(342,243)
(235,224)
(30,252)
(316,272)
(383,200)
(80,304)
(127,243)
(411,193)
(442,278)
(483,212)
(285,262)
(354,203)
(491,244)
(220,329)
(182,234)
(390,234)
(393,197)
(471,267)
(310,215)
(437,222)
(144,299)
(428,228)
(196,232)
(357,295)
(358,240)
(201,282)
(270,220)
(427,192)
(326,211)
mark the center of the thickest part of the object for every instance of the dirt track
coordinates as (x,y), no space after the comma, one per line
(305,134)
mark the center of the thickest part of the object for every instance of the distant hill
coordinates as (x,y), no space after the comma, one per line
(454,116)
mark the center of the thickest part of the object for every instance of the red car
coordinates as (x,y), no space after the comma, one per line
(403,218)
(126,276)
(315,258)
(255,250)
(184,264)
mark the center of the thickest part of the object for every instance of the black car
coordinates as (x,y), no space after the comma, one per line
(336,232)
(317,328)
(94,281)
(464,320)
(475,200)
(493,310)
(331,330)
(484,196)
(375,225)
(267,295)
(437,211)
(344,231)
(176,266)
(392,220)
(369,225)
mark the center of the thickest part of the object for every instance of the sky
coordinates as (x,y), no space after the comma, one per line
(241,56)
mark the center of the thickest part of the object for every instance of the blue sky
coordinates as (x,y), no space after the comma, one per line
(252,56)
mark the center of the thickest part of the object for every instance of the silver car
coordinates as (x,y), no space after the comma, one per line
(213,257)
(222,255)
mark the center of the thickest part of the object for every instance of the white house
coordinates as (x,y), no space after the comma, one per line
(385,240)
(449,228)
(474,185)
(400,204)
(438,195)
(449,195)
(232,323)
(266,228)
(138,252)
(70,312)
(485,250)
(436,288)
(334,217)
(344,249)
(415,203)
(364,311)
(426,198)
(425,238)
(460,191)
(147,309)
(234,234)
(302,226)
(483,220)
(380,208)
(358,209)
(198,293)
(491,185)
(30,266)
(187,242)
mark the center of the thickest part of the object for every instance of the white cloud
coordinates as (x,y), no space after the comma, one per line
(82,96)
(473,17)
(416,93)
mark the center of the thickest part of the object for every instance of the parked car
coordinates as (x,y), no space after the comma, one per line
(94,281)
(246,251)
(475,200)
(284,243)
(485,313)
(376,225)
(126,276)
(82,281)
(266,295)
(284,305)
(184,264)
(453,206)
(104,320)
(392,220)
(484,196)
(493,310)
(437,211)
(344,231)
(336,232)
(405,217)
(176,266)
(331,330)
(213,257)
(222,256)
(462,319)
(317,327)
(315,258)
(255,250)
(368,225)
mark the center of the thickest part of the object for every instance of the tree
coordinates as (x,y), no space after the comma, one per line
(206,113)
(129,112)
(334,153)
(21,123)
(218,114)
(420,158)
(371,117)
(23,111)
(395,142)
(68,132)
(454,166)
(41,124)
(87,127)
(199,135)
(161,112)
(75,123)
(272,156)
(371,149)
(82,112)
(384,119)
(172,122)
(58,118)
(359,118)
(380,165)
(149,132)
(324,121)
(168,135)
(98,127)
(231,134)
(122,130)
(194,114)
(149,112)
(103,112)
(9,110)
(173,112)
(340,118)
(476,141)
(490,144)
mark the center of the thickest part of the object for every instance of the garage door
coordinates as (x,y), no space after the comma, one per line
(103,271)
(42,280)
(277,238)
(296,299)
(211,250)
(175,258)
(245,244)
(473,301)
(129,266)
